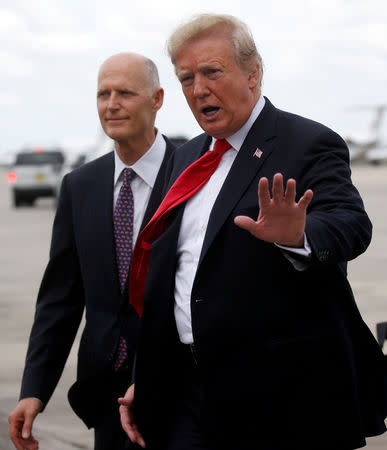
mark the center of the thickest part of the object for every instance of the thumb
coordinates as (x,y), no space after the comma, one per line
(245,222)
(124,401)
(27,426)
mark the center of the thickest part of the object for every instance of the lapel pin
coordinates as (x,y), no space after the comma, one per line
(258,153)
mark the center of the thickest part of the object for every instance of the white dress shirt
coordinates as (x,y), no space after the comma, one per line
(146,170)
(194,225)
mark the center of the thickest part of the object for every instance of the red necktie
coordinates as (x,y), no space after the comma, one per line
(187,184)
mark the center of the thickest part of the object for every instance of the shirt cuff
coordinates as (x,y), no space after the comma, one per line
(305,252)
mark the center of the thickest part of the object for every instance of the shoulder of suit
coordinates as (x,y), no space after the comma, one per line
(301,121)
(170,145)
(191,146)
(198,140)
(98,163)
(93,169)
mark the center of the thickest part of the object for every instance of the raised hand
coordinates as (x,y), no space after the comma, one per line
(281,219)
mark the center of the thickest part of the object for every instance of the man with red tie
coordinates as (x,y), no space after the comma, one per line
(251,339)
(101,209)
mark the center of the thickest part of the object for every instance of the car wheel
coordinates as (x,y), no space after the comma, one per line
(17,200)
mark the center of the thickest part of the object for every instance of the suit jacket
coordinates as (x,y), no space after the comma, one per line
(285,358)
(82,275)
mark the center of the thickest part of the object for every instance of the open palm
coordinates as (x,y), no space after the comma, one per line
(281,219)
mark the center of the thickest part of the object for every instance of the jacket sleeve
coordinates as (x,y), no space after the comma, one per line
(59,308)
(337,225)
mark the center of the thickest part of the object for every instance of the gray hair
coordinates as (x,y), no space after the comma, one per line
(242,41)
(152,75)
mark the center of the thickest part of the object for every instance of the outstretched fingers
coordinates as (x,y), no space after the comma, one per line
(278,187)
(263,193)
(290,193)
(304,201)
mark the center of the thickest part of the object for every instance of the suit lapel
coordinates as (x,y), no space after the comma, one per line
(104,204)
(244,170)
(191,152)
(157,191)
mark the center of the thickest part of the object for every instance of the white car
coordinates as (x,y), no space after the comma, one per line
(35,174)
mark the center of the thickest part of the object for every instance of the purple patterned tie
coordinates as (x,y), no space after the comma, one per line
(123,235)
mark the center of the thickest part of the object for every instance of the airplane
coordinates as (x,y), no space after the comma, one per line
(370,146)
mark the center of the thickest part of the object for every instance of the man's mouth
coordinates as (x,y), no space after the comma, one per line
(209,111)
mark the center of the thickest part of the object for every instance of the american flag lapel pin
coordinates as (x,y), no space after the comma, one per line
(258,152)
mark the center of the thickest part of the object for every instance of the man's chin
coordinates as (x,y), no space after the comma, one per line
(215,132)
(117,135)
(215,128)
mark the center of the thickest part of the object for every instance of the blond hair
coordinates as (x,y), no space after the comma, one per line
(242,41)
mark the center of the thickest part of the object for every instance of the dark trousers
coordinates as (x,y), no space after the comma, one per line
(187,432)
(109,434)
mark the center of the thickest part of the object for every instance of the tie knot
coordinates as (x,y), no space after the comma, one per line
(128,175)
(221,146)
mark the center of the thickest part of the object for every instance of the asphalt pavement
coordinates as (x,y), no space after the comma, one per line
(24,245)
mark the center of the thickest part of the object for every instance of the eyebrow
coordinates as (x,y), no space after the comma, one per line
(208,65)
(200,67)
(183,72)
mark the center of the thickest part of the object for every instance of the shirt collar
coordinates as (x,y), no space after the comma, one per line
(236,140)
(147,167)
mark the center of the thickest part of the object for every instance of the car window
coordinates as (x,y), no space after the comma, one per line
(33,159)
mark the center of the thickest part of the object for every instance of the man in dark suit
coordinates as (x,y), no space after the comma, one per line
(250,338)
(82,273)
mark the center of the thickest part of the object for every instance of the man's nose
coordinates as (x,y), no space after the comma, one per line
(200,87)
(113,102)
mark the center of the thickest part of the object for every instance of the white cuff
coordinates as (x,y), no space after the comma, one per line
(305,251)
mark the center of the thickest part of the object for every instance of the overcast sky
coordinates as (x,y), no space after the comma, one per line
(321,58)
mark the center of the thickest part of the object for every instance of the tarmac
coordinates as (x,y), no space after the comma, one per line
(25,235)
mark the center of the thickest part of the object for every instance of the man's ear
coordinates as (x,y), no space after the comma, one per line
(254,77)
(158,98)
